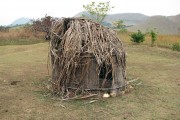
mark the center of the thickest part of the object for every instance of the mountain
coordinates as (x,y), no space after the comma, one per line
(81,13)
(134,22)
(175,19)
(20,21)
(137,21)
(161,24)
(128,18)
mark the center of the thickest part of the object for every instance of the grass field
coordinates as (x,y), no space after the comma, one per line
(164,41)
(20,36)
(24,76)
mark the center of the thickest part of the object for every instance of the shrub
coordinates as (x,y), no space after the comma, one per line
(153,37)
(176,47)
(138,37)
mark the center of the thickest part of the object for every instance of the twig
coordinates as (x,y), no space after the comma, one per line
(92,101)
(103,111)
(99,89)
(140,83)
(133,80)
(81,97)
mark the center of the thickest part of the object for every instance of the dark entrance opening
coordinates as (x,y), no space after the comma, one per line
(105,76)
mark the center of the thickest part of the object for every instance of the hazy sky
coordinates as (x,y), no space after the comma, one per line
(13,9)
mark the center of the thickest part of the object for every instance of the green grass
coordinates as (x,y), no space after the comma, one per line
(157,98)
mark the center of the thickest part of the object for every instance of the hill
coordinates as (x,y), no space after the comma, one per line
(128,18)
(135,21)
(20,21)
(81,13)
(175,19)
(162,24)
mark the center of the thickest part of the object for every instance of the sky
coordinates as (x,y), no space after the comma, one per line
(11,10)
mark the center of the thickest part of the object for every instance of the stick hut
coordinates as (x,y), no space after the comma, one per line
(85,57)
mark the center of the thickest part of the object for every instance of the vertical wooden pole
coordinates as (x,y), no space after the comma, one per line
(118,77)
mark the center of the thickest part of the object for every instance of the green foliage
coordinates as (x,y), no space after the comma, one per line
(153,37)
(119,25)
(97,11)
(138,37)
(176,47)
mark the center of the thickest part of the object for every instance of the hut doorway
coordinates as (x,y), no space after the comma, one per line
(105,76)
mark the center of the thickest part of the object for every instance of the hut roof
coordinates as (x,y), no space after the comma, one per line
(73,36)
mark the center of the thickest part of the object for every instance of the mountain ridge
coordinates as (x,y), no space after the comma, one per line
(128,18)
(20,21)
(135,21)
(159,23)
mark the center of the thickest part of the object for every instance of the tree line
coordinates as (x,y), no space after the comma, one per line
(4,29)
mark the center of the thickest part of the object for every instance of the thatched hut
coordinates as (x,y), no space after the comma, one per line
(85,57)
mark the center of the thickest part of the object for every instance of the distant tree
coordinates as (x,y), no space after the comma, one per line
(43,25)
(179,28)
(153,37)
(98,11)
(137,37)
(107,24)
(119,25)
(4,29)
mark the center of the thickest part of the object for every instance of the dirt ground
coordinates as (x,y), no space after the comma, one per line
(24,75)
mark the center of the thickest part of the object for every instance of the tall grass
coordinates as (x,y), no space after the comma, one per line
(165,41)
(19,36)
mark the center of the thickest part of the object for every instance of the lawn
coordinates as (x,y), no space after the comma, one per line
(24,77)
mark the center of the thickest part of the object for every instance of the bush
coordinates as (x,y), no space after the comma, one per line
(138,37)
(176,47)
(153,37)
